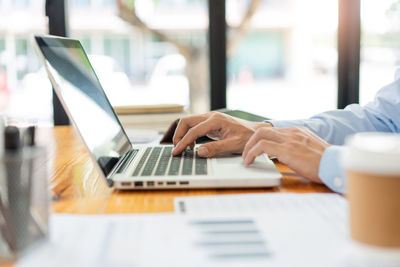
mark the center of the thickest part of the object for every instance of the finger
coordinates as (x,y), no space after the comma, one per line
(195,132)
(272,134)
(185,124)
(261,147)
(217,147)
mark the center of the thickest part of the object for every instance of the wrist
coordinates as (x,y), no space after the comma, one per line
(258,125)
(253,124)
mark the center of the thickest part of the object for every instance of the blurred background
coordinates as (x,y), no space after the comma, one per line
(283,65)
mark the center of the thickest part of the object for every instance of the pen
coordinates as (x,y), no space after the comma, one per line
(30,139)
(29,136)
(12,139)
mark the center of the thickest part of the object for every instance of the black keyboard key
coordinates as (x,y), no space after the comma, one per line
(151,162)
(187,162)
(141,162)
(200,165)
(174,166)
(163,163)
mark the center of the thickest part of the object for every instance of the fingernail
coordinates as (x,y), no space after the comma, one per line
(203,151)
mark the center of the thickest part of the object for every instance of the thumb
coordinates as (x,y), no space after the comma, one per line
(216,147)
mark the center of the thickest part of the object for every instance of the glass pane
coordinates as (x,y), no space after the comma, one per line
(284,65)
(380,45)
(25,92)
(151,63)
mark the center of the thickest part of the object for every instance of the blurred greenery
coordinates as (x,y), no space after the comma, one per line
(394,8)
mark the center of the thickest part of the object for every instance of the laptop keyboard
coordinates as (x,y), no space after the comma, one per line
(158,161)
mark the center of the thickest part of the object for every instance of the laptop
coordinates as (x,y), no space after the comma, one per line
(124,165)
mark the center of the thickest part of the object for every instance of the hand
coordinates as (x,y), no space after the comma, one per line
(231,133)
(299,148)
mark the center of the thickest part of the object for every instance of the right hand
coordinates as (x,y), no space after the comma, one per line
(231,134)
(297,147)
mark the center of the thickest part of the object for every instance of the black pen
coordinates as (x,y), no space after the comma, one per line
(29,136)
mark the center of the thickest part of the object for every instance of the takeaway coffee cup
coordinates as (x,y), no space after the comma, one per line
(372,163)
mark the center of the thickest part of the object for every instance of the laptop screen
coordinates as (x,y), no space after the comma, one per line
(84,99)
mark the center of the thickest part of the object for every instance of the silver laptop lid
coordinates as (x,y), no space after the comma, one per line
(88,107)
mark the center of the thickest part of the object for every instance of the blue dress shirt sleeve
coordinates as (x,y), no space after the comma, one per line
(380,115)
(331,171)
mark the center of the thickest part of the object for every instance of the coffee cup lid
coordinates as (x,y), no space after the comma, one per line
(373,152)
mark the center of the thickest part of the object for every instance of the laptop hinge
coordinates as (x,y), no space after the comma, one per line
(123,163)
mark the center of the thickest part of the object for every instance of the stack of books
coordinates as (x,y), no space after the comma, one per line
(150,117)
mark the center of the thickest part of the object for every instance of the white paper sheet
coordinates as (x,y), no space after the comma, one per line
(304,230)
(331,206)
(150,240)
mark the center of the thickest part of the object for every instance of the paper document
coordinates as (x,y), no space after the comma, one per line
(301,229)
(322,205)
(294,230)
(151,240)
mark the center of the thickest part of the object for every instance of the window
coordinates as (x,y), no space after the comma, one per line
(285,66)
(2,44)
(24,94)
(153,63)
(380,46)
(79,3)
(20,3)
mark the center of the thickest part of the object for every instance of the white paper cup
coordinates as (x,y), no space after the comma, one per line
(372,163)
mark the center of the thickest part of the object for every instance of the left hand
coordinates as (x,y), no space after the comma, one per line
(297,147)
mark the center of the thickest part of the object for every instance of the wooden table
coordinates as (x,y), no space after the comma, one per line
(77,187)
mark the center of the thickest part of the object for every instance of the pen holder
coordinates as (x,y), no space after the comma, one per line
(24,200)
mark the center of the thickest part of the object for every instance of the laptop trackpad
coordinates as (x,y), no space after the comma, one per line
(237,160)
(229,159)
(232,166)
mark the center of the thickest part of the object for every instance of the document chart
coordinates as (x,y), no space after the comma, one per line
(299,229)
